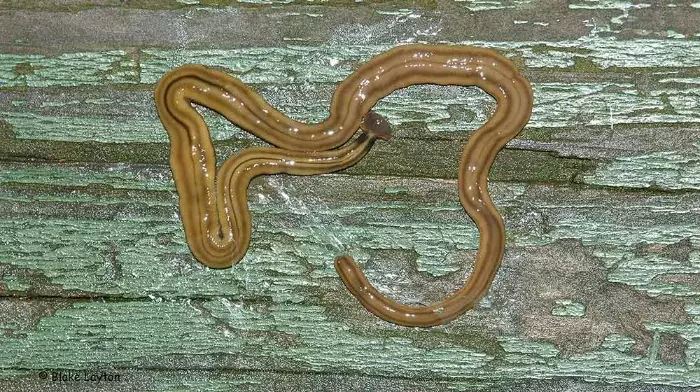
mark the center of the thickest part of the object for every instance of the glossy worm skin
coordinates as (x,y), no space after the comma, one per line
(498,77)
(213,203)
(218,234)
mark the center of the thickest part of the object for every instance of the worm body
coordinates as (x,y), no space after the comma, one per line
(213,204)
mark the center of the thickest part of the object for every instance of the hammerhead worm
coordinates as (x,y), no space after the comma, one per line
(213,203)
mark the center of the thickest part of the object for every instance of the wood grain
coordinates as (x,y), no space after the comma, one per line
(600,195)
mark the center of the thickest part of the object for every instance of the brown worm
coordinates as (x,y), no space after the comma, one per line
(213,204)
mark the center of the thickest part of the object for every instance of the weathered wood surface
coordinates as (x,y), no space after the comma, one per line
(600,194)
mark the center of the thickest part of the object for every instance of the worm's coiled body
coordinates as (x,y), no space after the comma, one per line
(215,213)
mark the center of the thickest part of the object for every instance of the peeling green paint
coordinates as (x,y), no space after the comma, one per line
(568,308)
(435,230)
(662,169)
(304,338)
(618,342)
(599,195)
(437,108)
(296,63)
(13,282)
(68,69)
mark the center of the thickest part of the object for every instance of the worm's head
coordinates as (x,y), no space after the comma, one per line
(376,125)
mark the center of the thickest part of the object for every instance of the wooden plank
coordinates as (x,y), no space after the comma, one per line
(298,63)
(85,25)
(123,116)
(132,222)
(221,334)
(397,158)
(600,194)
(215,380)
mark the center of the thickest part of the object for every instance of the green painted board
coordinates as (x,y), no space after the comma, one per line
(600,284)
